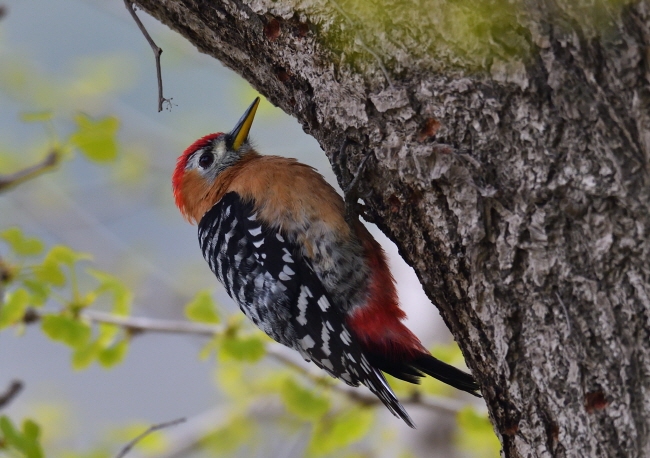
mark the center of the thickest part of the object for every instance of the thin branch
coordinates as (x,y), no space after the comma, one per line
(188,439)
(156,52)
(276,351)
(50,161)
(141,324)
(12,391)
(127,448)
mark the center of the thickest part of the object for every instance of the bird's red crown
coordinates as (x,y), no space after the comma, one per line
(181,163)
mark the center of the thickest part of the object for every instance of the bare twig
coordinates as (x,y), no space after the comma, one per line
(141,324)
(156,52)
(15,387)
(127,448)
(274,350)
(50,161)
(189,438)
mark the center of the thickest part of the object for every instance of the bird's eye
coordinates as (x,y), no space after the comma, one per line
(206,160)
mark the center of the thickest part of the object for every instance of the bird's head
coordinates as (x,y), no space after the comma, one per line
(206,159)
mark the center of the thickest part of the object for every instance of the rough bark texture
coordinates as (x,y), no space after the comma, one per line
(512,148)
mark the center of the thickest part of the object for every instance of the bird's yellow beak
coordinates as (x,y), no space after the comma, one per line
(239,134)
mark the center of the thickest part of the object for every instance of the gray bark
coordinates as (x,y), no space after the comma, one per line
(511,152)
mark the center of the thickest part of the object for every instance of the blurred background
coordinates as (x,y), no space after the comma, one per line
(71,57)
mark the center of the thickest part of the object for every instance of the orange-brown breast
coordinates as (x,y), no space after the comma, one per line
(283,190)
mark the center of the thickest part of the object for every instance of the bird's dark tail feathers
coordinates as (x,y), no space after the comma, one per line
(445,373)
(412,369)
(380,388)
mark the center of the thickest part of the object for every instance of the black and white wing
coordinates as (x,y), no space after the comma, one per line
(277,289)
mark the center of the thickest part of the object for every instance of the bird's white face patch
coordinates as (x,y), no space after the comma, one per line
(219,150)
(222,159)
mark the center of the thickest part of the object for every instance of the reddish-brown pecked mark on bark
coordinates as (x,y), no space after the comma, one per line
(302,29)
(283,75)
(595,400)
(429,129)
(394,203)
(511,428)
(272,29)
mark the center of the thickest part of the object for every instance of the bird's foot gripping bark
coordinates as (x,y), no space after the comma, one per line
(351,192)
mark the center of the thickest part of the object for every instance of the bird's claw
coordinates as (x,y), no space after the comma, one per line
(351,193)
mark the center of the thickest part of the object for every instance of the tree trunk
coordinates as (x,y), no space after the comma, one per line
(511,147)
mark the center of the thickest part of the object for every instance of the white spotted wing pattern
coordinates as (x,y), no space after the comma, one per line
(277,289)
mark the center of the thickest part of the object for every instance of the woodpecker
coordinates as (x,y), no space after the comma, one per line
(275,234)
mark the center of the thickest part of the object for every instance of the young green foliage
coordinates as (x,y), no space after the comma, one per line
(229,437)
(20,244)
(303,402)
(202,309)
(13,309)
(476,435)
(96,139)
(334,433)
(68,330)
(248,347)
(25,442)
(121,294)
(154,443)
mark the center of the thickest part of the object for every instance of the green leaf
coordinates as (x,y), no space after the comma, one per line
(303,402)
(14,308)
(96,138)
(122,295)
(229,437)
(20,244)
(476,435)
(107,333)
(84,355)
(31,429)
(36,116)
(153,444)
(38,291)
(67,330)
(209,348)
(231,380)
(25,441)
(9,432)
(333,434)
(242,348)
(65,255)
(114,354)
(450,353)
(202,308)
(50,273)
